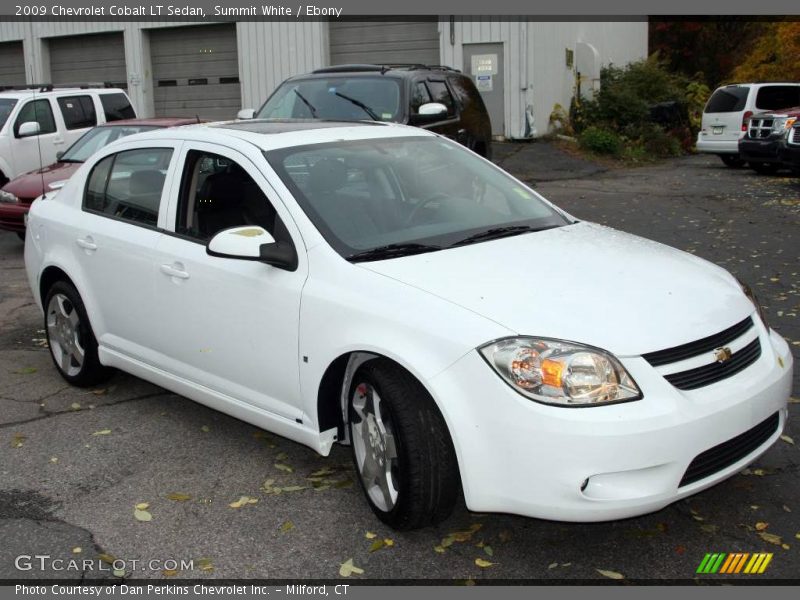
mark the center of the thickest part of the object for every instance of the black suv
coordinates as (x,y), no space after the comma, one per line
(790,149)
(436,98)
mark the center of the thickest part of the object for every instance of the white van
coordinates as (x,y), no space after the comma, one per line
(728,110)
(36,124)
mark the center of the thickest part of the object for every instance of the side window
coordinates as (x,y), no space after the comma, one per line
(38,111)
(78,111)
(419,96)
(440,93)
(128,185)
(216,194)
(117,107)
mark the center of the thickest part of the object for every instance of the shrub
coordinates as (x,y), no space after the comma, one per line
(600,141)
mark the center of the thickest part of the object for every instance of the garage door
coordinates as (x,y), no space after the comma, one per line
(12,64)
(196,71)
(88,58)
(384,42)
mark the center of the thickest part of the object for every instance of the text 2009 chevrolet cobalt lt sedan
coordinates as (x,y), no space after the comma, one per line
(380,286)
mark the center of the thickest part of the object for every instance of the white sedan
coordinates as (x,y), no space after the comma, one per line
(379,286)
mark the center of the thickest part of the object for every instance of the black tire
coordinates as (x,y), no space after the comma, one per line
(21,235)
(425,472)
(732,160)
(763,168)
(88,371)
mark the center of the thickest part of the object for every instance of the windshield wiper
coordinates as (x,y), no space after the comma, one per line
(359,104)
(391,251)
(307,103)
(499,232)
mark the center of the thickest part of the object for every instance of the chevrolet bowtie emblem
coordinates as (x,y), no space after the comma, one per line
(723,354)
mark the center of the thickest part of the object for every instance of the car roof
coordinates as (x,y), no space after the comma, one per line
(153,122)
(272,134)
(59,91)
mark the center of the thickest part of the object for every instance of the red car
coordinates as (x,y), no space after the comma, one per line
(17,195)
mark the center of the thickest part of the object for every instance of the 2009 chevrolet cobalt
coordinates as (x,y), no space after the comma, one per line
(380,286)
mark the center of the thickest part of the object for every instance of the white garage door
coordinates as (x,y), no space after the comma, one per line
(12,64)
(88,58)
(374,41)
(196,71)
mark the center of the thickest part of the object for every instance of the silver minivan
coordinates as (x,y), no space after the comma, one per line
(728,110)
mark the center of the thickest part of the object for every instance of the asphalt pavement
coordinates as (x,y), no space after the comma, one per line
(75,463)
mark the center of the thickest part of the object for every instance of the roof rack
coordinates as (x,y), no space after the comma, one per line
(382,68)
(49,87)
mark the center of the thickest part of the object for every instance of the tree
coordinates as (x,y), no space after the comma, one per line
(774,56)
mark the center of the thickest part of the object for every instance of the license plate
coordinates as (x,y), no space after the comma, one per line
(717,130)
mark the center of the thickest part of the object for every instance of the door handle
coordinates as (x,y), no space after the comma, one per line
(175,270)
(87,243)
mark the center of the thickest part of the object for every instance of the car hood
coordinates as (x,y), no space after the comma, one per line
(32,185)
(585,283)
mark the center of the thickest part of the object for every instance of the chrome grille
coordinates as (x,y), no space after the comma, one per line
(794,136)
(760,128)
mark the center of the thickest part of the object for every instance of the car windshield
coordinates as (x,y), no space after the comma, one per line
(407,195)
(99,137)
(729,99)
(346,98)
(6,106)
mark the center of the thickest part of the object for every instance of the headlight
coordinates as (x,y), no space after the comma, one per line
(8,197)
(751,295)
(783,123)
(560,373)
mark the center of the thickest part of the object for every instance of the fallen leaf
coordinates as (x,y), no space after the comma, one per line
(786,508)
(488,550)
(787,439)
(205,429)
(797,535)
(107,558)
(119,572)
(26,371)
(785,546)
(178,497)
(102,432)
(389,542)
(376,545)
(552,565)
(142,506)
(322,472)
(99,392)
(75,406)
(53,459)
(77,550)
(142,515)
(610,574)
(283,467)
(482,563)
(169,572)
(294,488)
(347,568)
(287,526)
(282,456)
(771,538)
(205,564)
(243,501)
(761,526)
(709,528)
(439,549)
(370,536)
(18,441)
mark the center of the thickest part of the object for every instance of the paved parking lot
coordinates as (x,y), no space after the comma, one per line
(74,463)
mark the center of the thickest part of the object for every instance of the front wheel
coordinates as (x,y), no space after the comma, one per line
(401,447)
(73,346)
(732,160)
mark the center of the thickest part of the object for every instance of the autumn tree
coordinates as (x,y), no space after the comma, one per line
(775,56)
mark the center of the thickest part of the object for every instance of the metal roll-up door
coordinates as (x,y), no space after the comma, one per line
(12,64)
(94,58)
(196,71)
(383,42)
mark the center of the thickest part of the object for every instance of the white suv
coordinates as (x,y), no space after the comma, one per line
(36,124)
(728,110)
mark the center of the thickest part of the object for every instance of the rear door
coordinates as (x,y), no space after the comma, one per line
(722,118)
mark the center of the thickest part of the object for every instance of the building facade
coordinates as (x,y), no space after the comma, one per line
(211,70)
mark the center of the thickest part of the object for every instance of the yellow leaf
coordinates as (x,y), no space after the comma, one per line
(75,406)
(53,459)
(243,501)
(347,568)
(18,441)
(294,488)
(388,541)
(787,439)
(797,535)
(205,564)
(552,565)
(322,472)
(376,545)
(288,526)
(610,574)
(205,429)
(785,546)
(77,550)
(482,563)
(169,572)
(119,572)
(771,538)
(178,497)
(107,558)
(761,526)
(282,456)
(142,515)
(283,467)
(102,432)
(26,371)
(447,542)
(439,549)
(142,506)
(369,535)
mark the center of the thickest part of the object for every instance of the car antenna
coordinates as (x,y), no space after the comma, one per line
(38,139)
(198,118)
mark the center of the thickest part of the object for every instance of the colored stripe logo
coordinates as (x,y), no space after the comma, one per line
(734,562)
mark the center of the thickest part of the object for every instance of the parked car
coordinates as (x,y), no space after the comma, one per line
(437,98)
(789,150)
(35,124)
(381,286)
(766,133)
(728,110)
(17,195)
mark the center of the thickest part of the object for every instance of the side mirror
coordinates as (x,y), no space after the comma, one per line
(59,154)
(28,129)
(251,242)
(428,113)
(246,113)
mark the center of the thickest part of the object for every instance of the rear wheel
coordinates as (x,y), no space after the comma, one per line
(73,346)
(732,160)
(763,168)
(401,447)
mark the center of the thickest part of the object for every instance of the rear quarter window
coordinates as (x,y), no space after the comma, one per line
(78,111)
(730,99)
(774,97)
(117,107)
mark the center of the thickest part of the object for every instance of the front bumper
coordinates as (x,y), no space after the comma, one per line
(790,156)
(707,144)
(602,463)
(12,216)
(765,151)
